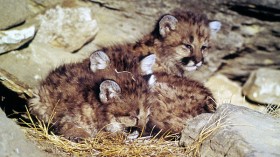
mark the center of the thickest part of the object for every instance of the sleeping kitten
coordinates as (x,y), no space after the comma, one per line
(99,93)
(177,99)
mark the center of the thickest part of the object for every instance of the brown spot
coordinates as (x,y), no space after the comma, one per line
(191,39)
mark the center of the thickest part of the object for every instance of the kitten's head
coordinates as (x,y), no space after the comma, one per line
(185,38)
(126,91)
(126,101)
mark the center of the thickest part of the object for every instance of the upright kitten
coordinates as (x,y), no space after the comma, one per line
(180,41)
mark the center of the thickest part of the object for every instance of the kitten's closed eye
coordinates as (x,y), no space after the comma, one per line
(204,48)
(127,120)
(187,46)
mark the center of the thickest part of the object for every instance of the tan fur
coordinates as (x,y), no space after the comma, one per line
(178,99)
(183,47)
(71,93)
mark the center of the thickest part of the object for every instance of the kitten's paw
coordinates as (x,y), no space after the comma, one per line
(76,135)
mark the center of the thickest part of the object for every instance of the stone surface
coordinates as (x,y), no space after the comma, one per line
(236,131)
(265,10)
(227,91)
(66,28)
(14,85)
(268,3)
(48,3)
(16,37)
(13,142)
(36,61)
(263,86)
(12,12)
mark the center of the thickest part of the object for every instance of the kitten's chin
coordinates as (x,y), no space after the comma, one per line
(133,135)
(193,68)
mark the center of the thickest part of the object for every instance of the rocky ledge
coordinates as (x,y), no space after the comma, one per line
(233,131)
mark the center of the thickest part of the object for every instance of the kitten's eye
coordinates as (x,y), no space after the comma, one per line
(133,117)
(188,46)
(204,48)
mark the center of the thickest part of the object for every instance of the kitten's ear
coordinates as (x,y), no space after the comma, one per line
(167,24)
(147,63)
(108,91)
(215,26)
(98,60)
(152,80)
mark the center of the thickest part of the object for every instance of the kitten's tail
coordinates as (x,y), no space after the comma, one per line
(38,107)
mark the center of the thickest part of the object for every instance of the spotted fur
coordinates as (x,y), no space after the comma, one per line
(180,42)
(83,102)
(177,99)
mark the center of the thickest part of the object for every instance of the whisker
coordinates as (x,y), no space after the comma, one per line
(132,76)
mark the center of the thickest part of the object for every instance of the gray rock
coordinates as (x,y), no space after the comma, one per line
(12,12)
(233,131)
(32,64)
(268,3)
(227,91)
(66,28)
(16,37)
(48,3)
(13,142)
(263,86)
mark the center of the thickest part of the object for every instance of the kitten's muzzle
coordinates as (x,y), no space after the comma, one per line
(190,64)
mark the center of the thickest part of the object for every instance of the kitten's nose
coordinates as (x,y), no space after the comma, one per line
(198,57)
(186,60)
(141,126)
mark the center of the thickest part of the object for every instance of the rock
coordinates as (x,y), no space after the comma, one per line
(250,30)
(13,141)
(14,85)
(66,28)
(32,64)
(263,86)
(227,91)
(48,3)
(263,10)
(239,65)
(233,131)
(9,16)
(275,4)
(16,37)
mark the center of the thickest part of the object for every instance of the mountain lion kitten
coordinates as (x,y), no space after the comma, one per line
(97,93)
(177,99)
(173,99)
(180,41)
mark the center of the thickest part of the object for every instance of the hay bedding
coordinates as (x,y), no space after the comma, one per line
(104,144)
(109,144)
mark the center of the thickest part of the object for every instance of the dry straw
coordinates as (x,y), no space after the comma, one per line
(209,129)
(108,144)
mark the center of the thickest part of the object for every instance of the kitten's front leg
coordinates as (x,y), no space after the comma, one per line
(115,127)
(169,124)
(73,132)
